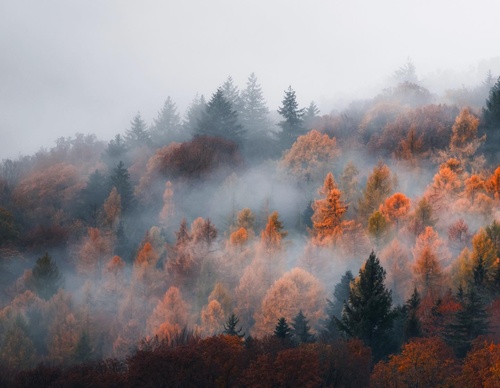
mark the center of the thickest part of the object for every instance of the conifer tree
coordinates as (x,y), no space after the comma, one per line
(232,95)
(46,278)
(412,326)
(138,134)
(368,314)
(219,119)
(230,327)
(83,349)
(282,330)
(301,329)
(328,212)
(379,186)
(292,125)
(469,322)
(167,125)
(255,114)
(310,116)
(194,113)
(491,112)
(120,178)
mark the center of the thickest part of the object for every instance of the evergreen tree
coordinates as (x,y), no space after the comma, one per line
(194,114)
(469,322)
(8,230)
(232,95)
(311,116)
(116,150)
(83,349)
(412,326)
(46,278)
(301,330)
(293,124)
(92,197)
(138,134)
(491,112)
(220,120)
(120,178)
(167,125)
(255,114)
(230,327)
(282,330)
(334,308)
(367,314)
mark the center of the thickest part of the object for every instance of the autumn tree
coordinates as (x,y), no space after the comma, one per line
(396,208)
(273,233)
(480,366)
(328,213)
(112,209)
(45,277)
(95,250)
(379,186)
(292,123)
(367,314)
(378,227)
(310,156)
(167,211)
(459,234)
(464,140)
(212,318)
(296,290)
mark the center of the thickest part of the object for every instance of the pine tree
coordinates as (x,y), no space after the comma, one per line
(138,134)
(282,330)
(469,322)
(46,278)
(83,349)
(334,307)
(230,327)
(194,114)
(293,124)
(232,95)
(301,329)
(311,116)
(412,326)
(117,148)
(120,178)
(491,112)
(367,314)
(219,119)
(255,114)
(91,198)
(167,125)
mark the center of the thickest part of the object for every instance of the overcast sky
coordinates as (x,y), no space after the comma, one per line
(88,66)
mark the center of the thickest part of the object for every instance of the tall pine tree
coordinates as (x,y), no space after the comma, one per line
(292,124)
(368,314)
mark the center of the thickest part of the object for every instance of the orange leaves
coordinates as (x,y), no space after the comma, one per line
(310,156)
(396,207)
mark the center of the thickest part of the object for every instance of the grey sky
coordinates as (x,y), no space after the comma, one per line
(88,66)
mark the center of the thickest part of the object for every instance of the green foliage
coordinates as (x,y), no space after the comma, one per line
(45,277)
(219,119)
(282,330)
(91,198)
(412,324)
(293,124)
(230,327)
(167,126)
(120,178)
(491,112)
(8,230)
(138,134)
(301,330)
(368,314)
(469,322)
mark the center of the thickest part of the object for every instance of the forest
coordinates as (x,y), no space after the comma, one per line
(235,245)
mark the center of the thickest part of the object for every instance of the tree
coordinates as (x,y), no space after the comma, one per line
(120,178)
(112,209)
(273,233)
(406,73)
(292,125)
(92,197)
(310,156)
(367,314)
(117,148)
(469,322)
(83,349)
(194,114)
(167,125)
(328,213)
(378,187)
(8,230)
(396,208)
(377,227)
(282,330)
(255,114)
(45,277)
(412,326)
(230,327)
(311,116)
(491,112)
(301,329)
(138,135)
(232,95)
(219,119)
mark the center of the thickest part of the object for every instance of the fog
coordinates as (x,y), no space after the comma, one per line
(88,67)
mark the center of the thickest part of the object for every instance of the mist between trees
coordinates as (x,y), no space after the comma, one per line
(379,224)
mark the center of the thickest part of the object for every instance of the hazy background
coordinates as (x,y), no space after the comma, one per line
(89,66)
